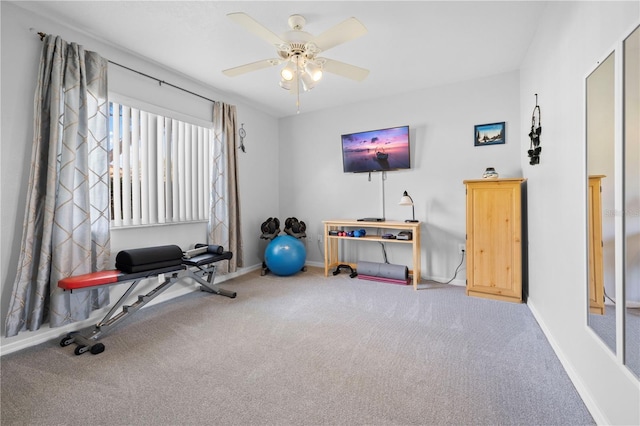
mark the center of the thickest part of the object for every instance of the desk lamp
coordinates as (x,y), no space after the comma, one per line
(406,200)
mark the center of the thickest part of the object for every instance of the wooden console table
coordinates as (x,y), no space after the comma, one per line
(331,257)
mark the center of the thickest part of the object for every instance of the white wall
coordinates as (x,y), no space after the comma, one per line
(20,58)
(314,187)
(310,185)
(571,38)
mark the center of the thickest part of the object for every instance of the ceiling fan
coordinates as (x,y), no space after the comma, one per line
(299,51)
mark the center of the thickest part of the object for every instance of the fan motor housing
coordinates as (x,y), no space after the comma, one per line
(296,22)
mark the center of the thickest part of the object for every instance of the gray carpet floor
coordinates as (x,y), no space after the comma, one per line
(303,350)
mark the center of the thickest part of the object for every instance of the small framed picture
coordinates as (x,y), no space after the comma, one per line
(488,134)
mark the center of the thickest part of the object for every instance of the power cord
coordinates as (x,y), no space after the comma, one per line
(607,296)
(384,251)
(320,246)
(456,272)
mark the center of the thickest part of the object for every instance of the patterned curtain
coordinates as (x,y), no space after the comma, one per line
(224,218)
(66,225)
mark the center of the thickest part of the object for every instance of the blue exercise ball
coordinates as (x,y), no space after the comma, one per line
(285,255)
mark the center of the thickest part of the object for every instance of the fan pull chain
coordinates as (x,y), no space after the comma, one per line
(298,84)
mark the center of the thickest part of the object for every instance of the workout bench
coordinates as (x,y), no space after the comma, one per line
(168,263)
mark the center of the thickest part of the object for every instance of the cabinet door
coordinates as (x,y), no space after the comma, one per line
(494,247)
(596,271)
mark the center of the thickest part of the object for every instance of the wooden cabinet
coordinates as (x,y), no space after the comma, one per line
(494,238)
(594,241)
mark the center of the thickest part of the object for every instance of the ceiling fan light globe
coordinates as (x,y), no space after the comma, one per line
(314,71)
(307,82)
(288,72)
(286,85)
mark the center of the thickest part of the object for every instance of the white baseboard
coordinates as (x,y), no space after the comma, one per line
(443,280)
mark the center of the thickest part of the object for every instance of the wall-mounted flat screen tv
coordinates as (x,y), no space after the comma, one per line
(376,150)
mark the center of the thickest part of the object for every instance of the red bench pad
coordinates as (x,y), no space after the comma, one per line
(90,280)
(114,276)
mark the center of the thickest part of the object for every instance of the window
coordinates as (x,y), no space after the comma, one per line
(159,168)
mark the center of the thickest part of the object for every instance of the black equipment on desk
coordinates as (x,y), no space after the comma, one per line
(405,235)
(371,219)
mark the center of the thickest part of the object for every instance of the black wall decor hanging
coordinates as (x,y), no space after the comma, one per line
(536,130)
(242,133)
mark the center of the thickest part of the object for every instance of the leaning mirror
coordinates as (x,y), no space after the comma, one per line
(631,49)
(600,133)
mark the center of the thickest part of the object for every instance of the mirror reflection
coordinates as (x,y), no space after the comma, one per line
(600,134)
(631,86)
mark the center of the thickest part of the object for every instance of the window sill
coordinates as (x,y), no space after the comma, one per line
(112,227)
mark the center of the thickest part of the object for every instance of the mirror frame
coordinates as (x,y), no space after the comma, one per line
(601,131)
(619,200)
(628,140)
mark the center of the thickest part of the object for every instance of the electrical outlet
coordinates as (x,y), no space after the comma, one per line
(319,238)
(461,248)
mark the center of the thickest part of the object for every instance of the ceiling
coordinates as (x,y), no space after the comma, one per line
(410,45)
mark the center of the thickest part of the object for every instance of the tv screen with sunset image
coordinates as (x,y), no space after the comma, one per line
(376,150)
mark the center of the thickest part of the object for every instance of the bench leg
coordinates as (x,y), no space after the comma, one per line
(208,285)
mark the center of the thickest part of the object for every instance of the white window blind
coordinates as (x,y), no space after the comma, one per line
(159,168)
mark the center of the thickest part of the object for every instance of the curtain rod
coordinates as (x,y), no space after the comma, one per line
(160,82)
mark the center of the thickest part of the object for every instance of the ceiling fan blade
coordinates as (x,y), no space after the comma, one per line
(346,70)
(254,66)
(343,32)
(255,27)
